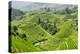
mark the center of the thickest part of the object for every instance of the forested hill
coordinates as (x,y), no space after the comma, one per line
(15,13)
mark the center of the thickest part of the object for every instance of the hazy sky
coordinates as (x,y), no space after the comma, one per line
(26,5)
(19,4)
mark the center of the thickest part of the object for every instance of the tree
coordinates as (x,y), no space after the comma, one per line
(68,11)
(39,20)
(23,36)
(47,9)
(15,28)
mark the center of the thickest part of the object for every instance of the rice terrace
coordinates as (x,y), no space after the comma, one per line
(36,27)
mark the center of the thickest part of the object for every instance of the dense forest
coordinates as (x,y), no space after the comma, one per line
(44,29)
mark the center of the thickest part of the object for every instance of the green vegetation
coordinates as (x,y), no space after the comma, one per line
(44,30)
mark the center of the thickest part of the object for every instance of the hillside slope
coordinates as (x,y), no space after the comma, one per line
(44,30)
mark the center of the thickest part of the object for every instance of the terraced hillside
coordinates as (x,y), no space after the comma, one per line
(45,30)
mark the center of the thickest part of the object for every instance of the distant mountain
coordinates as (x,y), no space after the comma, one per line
(29,6)
(15,13)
